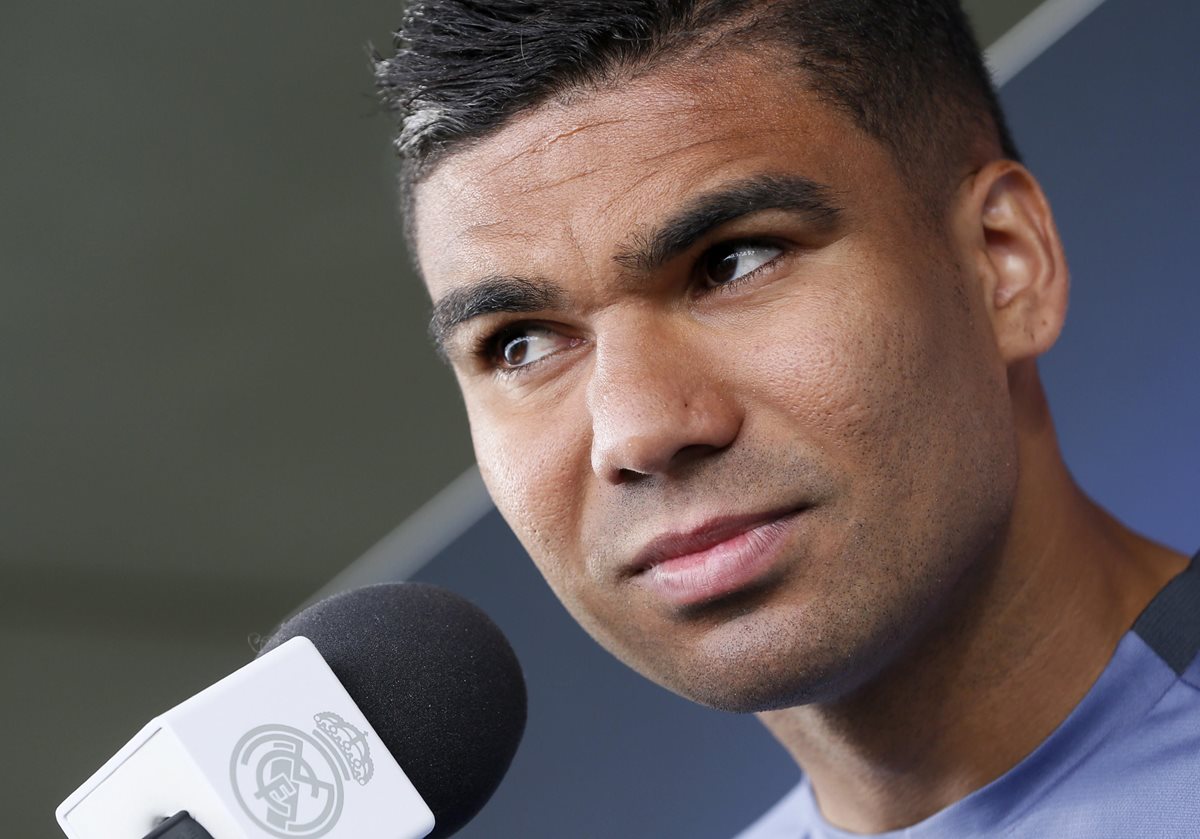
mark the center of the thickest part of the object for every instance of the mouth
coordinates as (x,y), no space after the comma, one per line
(714,560)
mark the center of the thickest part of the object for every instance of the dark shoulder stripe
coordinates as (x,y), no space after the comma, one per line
(1170,625)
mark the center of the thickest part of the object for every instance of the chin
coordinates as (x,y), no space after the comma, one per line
(788,654)
(754,669)
(771,688)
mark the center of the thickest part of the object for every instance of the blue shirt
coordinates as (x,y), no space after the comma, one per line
(1125,764)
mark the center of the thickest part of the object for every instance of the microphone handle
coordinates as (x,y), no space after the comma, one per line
(179,826)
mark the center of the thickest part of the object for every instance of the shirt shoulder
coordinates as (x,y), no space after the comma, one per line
(1126,761)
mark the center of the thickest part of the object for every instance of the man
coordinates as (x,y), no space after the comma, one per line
(745,301)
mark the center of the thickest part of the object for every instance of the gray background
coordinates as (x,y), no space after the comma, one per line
(216,390)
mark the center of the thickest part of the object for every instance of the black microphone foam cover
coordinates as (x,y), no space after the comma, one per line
(436,679)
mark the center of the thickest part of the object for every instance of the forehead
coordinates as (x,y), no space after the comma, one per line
(596,168)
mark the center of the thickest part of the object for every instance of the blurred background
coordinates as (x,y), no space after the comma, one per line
(216,393)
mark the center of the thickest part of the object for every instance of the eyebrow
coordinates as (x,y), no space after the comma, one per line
(491,295)
(504,294)
(793,193)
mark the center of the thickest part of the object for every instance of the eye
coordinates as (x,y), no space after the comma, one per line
(521,346)
(732,261)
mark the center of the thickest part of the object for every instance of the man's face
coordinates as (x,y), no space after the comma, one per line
(732,389)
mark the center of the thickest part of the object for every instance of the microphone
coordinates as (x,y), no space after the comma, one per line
(386,712)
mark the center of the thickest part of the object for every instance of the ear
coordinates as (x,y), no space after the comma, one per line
(1019,259)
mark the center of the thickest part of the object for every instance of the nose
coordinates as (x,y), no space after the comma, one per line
(656,405)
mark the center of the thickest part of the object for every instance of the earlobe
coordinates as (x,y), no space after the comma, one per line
(1024,272)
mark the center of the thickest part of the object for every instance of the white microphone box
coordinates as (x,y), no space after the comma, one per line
(277,750)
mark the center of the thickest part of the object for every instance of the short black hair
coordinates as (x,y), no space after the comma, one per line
(908,72)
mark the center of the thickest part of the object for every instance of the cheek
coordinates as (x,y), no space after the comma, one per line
(829,367)
(879,372)
(536,475)
(533,471)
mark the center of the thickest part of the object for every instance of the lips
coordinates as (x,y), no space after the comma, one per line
(719,558)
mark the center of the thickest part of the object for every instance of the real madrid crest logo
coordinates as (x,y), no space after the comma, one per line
(290,782)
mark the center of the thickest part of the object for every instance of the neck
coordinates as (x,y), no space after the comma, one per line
(1028,636)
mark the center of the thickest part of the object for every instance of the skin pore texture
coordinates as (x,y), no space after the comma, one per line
(698,310)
